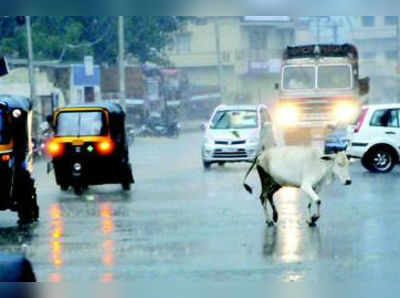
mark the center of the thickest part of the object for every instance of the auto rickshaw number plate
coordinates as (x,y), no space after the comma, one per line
(77,143)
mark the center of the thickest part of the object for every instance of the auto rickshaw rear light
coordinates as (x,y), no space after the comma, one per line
(105,147)
(6,158)
(55,149)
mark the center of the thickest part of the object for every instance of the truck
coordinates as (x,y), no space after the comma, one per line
(320,88)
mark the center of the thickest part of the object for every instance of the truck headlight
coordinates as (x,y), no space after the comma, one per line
(288,115)
(346,112)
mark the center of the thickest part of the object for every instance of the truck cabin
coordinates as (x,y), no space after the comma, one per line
(320,85)
(320,70)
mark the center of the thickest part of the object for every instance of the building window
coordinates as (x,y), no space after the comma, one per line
(183,43)
(368,21)
(258,40)
(369,55)
(391,55)
(391,20)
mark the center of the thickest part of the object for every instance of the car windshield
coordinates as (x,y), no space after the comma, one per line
(334,77)
(80,124)
(235,120)
(4,135)
(296,77)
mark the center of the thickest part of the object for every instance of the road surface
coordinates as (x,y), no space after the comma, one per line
(183,223)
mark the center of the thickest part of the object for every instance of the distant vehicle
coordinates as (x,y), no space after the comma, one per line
(337,140)
(158,125)
(237,134)
(319,86)
(376,137)
(17,187)
(90,147)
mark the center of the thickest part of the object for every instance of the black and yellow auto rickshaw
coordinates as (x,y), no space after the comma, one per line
(17,187)
(89,147)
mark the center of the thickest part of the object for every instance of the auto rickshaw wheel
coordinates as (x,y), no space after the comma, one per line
(28,209)
(126,186)
(78,190)
(64,187)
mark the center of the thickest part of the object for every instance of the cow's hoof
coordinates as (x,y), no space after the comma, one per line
(314,218)
(269,223)
(313,221)
(311,224)
(276,217)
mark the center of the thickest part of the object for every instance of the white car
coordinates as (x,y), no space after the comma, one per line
(237,134)
(376,137)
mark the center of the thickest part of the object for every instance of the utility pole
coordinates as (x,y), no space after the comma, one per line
(218,49)
(31,67)
(335,32)
(398,57)
(318,29)
(121,62)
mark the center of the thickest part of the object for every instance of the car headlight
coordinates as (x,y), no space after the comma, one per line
(346,112)
(208,141)
(287,115)
(254,140)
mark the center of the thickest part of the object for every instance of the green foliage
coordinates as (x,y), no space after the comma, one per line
(70,38)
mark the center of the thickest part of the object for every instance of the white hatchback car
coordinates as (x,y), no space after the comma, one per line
(237,134)
(376,137)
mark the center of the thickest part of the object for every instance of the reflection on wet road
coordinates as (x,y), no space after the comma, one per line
(181,222)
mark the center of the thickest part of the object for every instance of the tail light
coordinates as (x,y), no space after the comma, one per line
(6,158)
(361,120)
(54,149)
(105,147)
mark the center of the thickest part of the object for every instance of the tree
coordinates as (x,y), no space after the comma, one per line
(70,38)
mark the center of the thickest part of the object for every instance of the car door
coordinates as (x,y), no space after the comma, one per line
(384,127)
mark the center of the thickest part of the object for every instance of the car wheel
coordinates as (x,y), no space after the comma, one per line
(380,160)
(221,164)
(206,165)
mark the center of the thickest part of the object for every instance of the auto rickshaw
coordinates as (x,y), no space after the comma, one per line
(17,187)
(89,147)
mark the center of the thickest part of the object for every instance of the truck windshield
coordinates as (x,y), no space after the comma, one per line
(235,120)
(4,132)
(334,77)
(80,124)
(299,77)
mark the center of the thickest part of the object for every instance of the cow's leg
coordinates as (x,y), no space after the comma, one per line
(269,188)
(264,203)
(314,199)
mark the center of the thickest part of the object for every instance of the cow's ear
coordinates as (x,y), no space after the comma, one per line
(327,157)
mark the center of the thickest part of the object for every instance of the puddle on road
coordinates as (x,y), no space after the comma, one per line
(291,241)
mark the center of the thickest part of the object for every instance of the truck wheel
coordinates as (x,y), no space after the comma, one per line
(28,209)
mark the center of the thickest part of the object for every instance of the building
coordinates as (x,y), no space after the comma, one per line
(250,53)
(377,39)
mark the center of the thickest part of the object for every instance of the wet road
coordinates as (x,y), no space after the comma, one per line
(182,223)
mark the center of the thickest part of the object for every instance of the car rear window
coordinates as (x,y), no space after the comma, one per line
(385,118)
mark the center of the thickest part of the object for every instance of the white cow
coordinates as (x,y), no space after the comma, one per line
(302,167)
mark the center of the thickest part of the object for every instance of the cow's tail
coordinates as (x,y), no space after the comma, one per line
(246,186)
